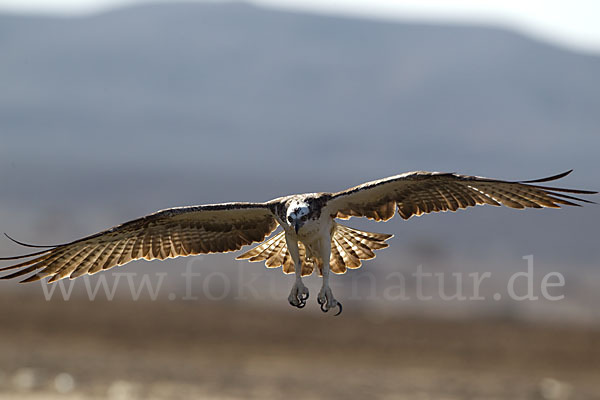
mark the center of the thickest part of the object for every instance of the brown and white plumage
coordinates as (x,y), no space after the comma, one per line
(416,193)
(348,247)
(310,239)
(169,233)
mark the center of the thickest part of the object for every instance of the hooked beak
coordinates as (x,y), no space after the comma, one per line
(296,226)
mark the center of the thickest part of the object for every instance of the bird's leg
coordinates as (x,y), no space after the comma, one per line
(299,292)
(325,298)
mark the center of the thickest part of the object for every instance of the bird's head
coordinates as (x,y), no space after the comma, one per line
(297,214)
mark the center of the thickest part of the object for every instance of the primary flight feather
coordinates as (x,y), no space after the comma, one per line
(311,237)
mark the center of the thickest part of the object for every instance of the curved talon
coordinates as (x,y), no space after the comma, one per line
(339,312)
(324,307)
(321,302)
(304,297)
(302,304)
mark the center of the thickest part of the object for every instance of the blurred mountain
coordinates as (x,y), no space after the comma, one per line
(214,81)
(112,116)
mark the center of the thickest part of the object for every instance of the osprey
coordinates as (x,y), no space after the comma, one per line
(311,237)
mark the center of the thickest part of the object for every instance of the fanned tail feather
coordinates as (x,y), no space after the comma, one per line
(263,251)
(348,247)
(275,254)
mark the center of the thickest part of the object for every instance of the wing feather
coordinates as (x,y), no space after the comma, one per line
(107,251)
(168,233)
(420,192)
(85,264)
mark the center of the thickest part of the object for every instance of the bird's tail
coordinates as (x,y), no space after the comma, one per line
(348,247)
(275,254)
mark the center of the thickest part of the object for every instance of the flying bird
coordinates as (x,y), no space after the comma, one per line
(311,236)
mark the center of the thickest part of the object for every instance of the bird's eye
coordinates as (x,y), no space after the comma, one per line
(290,218)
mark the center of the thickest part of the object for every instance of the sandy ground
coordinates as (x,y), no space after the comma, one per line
(172,350)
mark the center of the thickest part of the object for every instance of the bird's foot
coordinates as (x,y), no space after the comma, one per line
(327,301)
(298,295)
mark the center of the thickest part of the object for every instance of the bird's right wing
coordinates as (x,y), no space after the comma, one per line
(170,233)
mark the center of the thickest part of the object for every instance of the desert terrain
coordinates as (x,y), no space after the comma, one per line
(79,349)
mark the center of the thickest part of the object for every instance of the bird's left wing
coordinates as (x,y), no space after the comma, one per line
(416,193)
(170,233)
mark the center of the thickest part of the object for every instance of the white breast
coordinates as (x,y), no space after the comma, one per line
(314,230)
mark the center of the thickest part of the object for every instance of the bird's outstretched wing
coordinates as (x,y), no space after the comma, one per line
(421,192)
(169,233)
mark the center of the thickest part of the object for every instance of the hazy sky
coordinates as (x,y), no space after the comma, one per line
(572,23)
